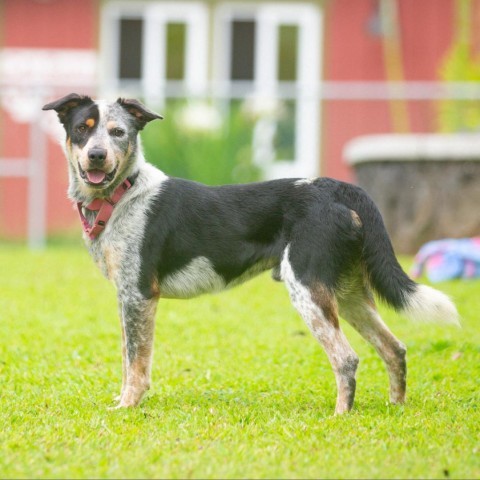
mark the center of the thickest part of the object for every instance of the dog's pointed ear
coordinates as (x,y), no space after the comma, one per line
(141,113)
(63,106)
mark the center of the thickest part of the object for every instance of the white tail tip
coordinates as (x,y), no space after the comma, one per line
(429,305)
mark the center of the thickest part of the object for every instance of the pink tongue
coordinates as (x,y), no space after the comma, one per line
(96,176)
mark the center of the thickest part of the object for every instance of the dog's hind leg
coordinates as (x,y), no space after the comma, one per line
(138,321)
(358,308)
(317,306)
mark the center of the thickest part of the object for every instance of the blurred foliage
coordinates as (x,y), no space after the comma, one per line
(460,64)
(460,115)
(199,142)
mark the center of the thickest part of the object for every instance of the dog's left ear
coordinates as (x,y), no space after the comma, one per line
(141,113)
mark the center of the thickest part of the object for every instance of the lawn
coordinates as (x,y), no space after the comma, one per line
(240,388)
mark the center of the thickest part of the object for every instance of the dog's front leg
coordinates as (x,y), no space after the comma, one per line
(138,324)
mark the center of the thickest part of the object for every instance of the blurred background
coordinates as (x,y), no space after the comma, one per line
(380,92)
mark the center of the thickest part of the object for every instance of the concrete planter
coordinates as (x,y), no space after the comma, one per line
(426,186)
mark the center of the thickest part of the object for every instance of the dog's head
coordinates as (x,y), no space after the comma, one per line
(101,143)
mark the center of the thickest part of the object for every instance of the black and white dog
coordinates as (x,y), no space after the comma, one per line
(155,236)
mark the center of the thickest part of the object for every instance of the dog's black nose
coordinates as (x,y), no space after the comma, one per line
(97,156)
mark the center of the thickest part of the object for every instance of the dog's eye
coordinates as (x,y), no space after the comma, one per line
(81,128)
(117,132)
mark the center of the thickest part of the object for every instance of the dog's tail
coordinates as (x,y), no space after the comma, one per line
(417,302)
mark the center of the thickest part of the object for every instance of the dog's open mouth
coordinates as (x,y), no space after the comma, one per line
(96,177)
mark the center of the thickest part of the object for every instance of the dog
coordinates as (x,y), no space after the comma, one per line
(157,236)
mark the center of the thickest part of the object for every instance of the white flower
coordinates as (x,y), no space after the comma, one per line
(199,117)
(257,107)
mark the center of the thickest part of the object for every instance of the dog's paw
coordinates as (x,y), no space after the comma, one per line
(130,397)
(121,404)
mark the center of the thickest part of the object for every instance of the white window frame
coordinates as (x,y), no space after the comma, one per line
(269,17)
(156,15)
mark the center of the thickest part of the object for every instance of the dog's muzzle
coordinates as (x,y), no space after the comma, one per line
(95,175)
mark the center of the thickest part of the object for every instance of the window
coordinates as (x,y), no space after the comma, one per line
(272,52)
(242,59)
(130,55)
(287,53)
(176,37)
(154,49)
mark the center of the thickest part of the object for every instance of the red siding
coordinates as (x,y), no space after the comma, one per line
(50,24)
(353,53)
(426,30)
(40,24)
(13,192)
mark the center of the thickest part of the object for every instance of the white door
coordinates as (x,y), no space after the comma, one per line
(271,54)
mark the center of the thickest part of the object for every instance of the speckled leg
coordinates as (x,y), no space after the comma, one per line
(318,308)
(359,310)
(138,320)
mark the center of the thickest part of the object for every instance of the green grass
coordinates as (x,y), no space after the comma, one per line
(240,388)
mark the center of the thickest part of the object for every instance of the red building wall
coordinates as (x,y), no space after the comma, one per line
(50,24)
(69,24)
(354,53)
(351,53)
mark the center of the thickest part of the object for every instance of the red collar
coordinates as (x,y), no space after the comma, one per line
(104,207)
